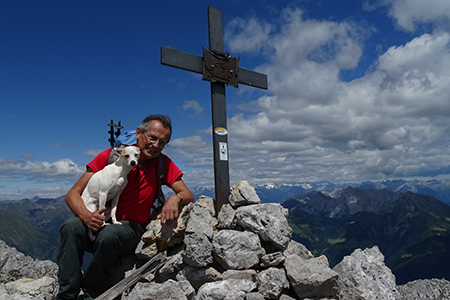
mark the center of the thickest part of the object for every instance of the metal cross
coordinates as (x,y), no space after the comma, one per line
(220,69)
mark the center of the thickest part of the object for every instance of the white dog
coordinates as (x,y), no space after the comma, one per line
(107,184)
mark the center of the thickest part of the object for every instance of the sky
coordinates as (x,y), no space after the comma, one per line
(357,90)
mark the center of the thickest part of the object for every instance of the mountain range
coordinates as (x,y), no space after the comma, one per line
(32,225)
(412,230)
(407,220)
(439,189)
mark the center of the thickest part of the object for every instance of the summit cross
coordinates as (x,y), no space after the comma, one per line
(219,68)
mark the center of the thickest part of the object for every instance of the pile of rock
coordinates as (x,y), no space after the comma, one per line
(24,278)
(245,253)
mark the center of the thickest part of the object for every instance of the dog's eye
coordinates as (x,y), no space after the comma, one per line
(127,156)
(136,155)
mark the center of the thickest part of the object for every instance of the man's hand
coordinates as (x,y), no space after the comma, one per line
(94,221)
(169,212)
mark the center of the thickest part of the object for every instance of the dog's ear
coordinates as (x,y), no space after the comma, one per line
(119,150)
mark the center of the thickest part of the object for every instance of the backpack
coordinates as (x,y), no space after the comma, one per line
(128,138)
(125,138)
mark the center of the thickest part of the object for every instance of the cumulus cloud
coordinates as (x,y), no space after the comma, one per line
(311,125)
(40,171)
(92,152)
(28,156)
(193,108)
(409,14)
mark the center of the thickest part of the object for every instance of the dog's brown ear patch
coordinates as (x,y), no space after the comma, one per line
(119,150)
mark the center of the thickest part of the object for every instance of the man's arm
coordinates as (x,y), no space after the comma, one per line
(169,212)
(76,204)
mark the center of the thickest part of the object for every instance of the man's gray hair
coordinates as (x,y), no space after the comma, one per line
(165,121)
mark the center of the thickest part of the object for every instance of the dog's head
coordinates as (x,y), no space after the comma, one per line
(130,155)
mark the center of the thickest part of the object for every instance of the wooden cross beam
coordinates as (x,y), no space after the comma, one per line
(213,70)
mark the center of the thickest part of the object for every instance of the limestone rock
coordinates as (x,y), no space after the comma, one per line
(16,265)
(363,275)
(226,218)
(230,289)
(198,252)
(299,249)
(243,194)
(237,250)
(165,235)
(172,266)
(161,291)
(198,276)
(44,288)
(272,282)
(425,289)
(271,259)
(268,220)
(310,277)
(207,203)
(254,296)
(249,274)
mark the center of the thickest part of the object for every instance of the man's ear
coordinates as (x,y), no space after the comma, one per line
(138,131)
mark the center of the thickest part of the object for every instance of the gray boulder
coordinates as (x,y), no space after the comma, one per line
(363,275)
(198,252)
(230,289)
(272,282)
(268,220)
(237,250)
(425,289)
(25,278)
(243,194)
(226,217)
(311,277)
(198,276)
(170,289)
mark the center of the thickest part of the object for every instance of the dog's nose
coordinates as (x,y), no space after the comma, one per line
(133,163)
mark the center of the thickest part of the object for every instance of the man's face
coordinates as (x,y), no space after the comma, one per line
(153,141)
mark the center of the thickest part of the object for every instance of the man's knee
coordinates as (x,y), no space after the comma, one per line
(120,237)
(72,226)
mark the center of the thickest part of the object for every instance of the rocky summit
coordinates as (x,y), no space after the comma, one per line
(245,252)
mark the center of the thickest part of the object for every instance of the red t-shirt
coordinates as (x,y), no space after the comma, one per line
(138,196)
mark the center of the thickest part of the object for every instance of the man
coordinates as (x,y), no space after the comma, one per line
(133,212)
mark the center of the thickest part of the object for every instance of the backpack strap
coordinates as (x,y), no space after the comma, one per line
(114,155)
(161,170)
(160,200)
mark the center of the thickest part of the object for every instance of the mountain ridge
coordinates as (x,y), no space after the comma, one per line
(412,230)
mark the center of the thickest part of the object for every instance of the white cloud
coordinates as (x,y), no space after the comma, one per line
(40,171)
(194,106)
(189,147)
(411,13)
(390,123)
(92,152)
(247,35)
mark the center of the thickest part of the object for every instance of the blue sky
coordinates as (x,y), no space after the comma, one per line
(358,90)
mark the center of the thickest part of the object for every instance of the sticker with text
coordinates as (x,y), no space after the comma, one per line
(221,131)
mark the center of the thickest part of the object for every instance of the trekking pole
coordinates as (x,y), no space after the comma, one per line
(111,139)
(118,126)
